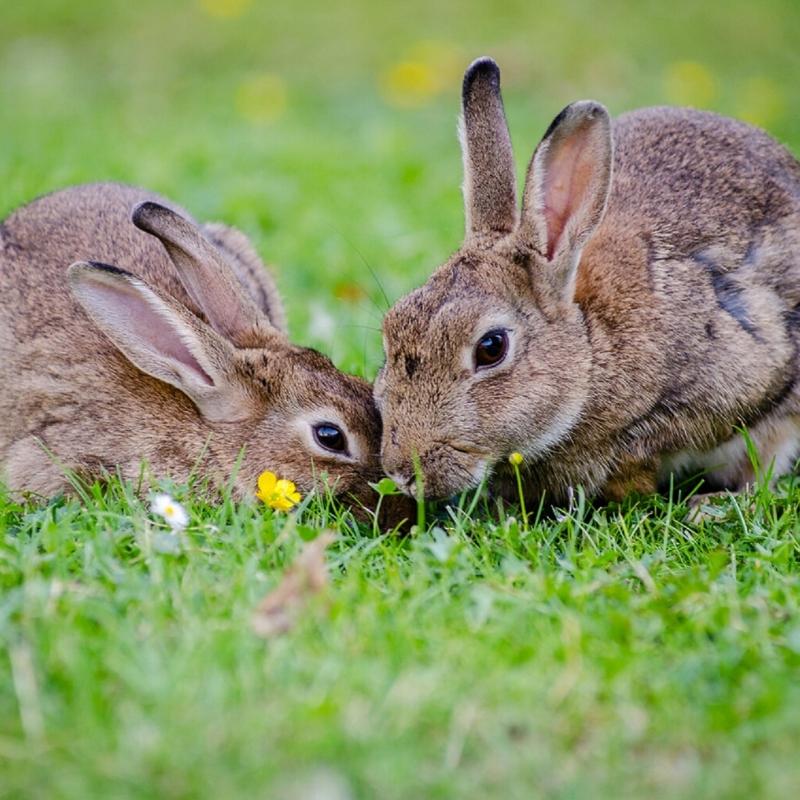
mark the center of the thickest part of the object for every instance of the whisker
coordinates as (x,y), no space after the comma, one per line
(373,274)
(357,326)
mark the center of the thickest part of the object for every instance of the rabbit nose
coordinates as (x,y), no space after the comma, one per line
(397,464)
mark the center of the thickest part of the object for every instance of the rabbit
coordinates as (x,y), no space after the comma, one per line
(640,309)
(128,333)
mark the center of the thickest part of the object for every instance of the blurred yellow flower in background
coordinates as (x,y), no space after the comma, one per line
(261,98)
(277,493)
(761,102)
(225,9)
(349,292)
(689,83)
(409,84)
(429,68)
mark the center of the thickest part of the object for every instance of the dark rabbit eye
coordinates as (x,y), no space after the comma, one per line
(330,436)
(491,349)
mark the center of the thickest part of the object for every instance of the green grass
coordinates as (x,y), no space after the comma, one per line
(611,652)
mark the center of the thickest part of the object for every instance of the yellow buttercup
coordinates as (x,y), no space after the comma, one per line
(277,493)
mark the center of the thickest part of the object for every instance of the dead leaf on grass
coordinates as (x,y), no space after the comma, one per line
(307,576)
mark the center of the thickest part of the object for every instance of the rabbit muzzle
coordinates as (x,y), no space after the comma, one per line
(440,469)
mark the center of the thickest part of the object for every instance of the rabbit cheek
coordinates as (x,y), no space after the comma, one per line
(447,471)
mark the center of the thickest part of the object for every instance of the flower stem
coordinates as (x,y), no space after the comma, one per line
(521,495)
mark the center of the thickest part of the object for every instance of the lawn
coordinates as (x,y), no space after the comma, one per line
(601,652)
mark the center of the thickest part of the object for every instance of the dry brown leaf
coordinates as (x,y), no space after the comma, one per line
(278,611)
(350,292)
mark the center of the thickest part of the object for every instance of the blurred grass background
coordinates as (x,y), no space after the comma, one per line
(612,654)
(327,130)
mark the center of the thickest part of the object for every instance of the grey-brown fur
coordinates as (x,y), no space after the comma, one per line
(249,269)
(665,316)
(69,398)
(489,182)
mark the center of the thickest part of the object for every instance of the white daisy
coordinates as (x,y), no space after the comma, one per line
(171,510)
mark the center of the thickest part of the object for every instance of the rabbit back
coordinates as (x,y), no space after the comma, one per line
(66,388)
(692,286)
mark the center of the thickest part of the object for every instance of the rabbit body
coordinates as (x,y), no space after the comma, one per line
(114,362)
(690,288)
(648,296)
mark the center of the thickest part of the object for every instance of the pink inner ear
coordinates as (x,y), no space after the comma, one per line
(139,325)
(568,173)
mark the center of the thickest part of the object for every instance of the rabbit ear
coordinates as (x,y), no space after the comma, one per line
(206,276)
(490,195)
(250,271)
(566,187)
(160,337)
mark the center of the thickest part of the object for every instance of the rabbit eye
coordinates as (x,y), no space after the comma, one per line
(330,437)
(491,349)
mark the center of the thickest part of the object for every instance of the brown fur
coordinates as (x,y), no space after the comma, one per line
(249,269)
(651,291)
(71,399)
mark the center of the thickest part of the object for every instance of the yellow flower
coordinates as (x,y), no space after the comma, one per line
(409,84)
(279,494)
(428,69)
(515,459)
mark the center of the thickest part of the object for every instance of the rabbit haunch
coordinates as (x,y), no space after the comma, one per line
(646,297)
(165,343)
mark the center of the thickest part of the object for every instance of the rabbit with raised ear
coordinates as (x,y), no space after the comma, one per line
(161,344)
(642,306)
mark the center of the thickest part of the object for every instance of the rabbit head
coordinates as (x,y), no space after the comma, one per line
(242,387)
(491,355)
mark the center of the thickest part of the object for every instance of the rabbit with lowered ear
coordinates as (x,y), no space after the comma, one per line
(643,305)
(165,344)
